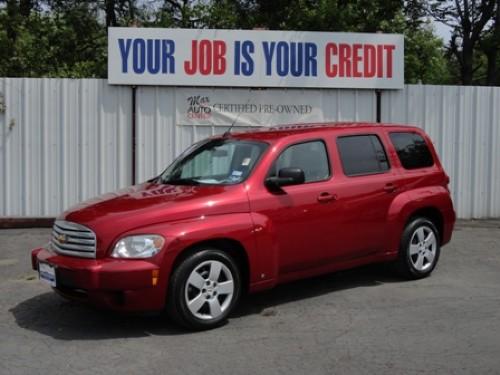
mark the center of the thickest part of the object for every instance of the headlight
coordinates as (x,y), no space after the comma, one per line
(140,246)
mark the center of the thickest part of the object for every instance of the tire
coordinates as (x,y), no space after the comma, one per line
(419,249)
(204,289)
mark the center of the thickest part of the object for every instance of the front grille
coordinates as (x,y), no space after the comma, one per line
(73,239)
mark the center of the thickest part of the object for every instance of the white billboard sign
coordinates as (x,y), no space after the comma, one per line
(254,58)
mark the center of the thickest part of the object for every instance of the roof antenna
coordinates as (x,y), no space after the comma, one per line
(227,133)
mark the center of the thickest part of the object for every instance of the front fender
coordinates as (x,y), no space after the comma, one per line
(181,235)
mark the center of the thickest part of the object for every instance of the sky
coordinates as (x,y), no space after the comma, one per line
(443,31)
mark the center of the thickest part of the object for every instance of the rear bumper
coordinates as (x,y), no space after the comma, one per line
(448,226)
(126,285)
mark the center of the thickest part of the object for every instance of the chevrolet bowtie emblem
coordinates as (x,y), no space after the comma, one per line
(61,238)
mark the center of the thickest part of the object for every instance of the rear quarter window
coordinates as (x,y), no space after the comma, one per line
(412,150)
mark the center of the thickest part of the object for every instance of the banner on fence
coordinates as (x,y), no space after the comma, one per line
(254,58)
(199,106)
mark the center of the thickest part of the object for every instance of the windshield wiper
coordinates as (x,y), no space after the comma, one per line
(181,181)
(154,180)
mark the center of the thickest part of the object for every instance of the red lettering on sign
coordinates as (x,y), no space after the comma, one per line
(190,67)
(359,60)
(356,59)
(330,50)
(380,61)
(388,49)
(369,61)
(207,57)
(344,60)
(219,57)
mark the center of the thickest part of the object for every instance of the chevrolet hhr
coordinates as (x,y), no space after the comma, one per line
(243,212)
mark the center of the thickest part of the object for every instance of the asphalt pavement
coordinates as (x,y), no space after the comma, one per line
(363,321)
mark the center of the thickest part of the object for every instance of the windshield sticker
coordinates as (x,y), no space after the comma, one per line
(236,173)
(246,162)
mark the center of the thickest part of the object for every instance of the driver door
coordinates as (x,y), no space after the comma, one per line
(301,216)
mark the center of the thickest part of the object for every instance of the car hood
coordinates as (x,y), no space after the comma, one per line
(149,203)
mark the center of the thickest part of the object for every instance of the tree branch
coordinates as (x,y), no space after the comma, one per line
(486,15)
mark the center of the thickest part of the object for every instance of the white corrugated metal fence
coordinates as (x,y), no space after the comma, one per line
(63,141)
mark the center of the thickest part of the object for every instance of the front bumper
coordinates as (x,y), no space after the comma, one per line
(117,284)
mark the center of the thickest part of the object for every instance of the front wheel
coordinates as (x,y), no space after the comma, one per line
(419,249)
(204,289)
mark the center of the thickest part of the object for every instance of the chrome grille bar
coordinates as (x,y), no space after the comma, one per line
(73,239)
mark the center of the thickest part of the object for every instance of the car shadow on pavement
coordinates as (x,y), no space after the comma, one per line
(367,276)
(51,315)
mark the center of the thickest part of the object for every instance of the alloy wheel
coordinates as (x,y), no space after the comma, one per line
(423,246)
(209,290)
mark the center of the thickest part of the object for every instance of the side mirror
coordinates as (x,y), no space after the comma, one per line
(286,176)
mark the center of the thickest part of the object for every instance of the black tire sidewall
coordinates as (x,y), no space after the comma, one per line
(405,263)
(176,303)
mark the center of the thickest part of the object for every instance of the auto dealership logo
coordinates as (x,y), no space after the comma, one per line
(199,107)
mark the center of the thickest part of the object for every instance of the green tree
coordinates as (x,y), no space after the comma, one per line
(468,20)
(490,46)
(68,38)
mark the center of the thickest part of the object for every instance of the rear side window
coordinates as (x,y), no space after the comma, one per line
(362,154)
(311,157)
(412,150)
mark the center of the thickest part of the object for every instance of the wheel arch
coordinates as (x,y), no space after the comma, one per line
(431,213)
(421,203)
(230,246)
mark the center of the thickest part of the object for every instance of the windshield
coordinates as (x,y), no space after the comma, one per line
(215,162)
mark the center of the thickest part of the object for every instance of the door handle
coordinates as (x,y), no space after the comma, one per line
(390,188)
(326,197)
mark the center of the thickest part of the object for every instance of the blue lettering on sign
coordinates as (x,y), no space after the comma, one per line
(139,53)
(297,59)
(168,61)
(247,49)
(310,62)
(237,58)
(124,46)
(151,55)
(268,56)
(243,51)
(282,51)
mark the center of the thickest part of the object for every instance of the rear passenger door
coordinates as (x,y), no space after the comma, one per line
(364,191)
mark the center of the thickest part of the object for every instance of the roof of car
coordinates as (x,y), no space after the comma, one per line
(281,131)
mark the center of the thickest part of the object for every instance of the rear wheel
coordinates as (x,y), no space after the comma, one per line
(204,289)
(419,249)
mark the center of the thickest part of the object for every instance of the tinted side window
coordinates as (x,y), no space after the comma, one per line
(362,154)
(412,150)
(311,157)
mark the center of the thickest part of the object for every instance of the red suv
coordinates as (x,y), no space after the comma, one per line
(244,212)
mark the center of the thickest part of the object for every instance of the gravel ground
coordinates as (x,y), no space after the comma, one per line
(363,321)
